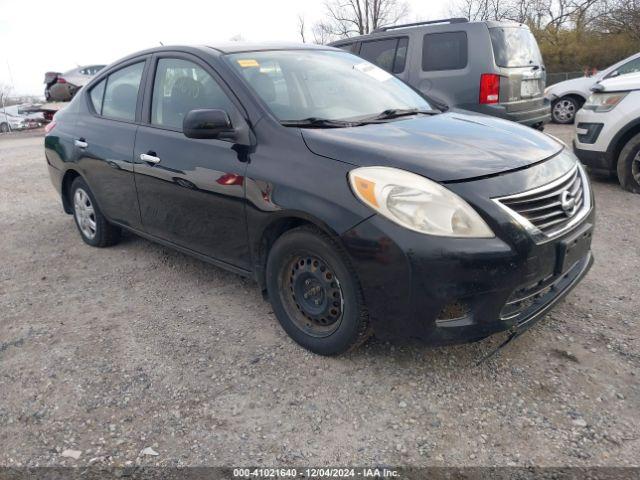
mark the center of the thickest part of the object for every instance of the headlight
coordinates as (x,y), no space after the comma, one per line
(417,203)
(603,102)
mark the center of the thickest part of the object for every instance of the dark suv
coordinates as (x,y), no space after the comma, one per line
(493,68)
(356,205)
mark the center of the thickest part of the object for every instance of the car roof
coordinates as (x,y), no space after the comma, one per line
(404,29)
(237,47)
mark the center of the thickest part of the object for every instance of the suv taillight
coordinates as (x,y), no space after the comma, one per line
(49,126)
(61,80)
(489,88)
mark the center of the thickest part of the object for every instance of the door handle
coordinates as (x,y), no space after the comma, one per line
(80,143)
(149,158)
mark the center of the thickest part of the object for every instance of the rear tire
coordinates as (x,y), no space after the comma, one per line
(4,128)
(564,110)
(94,228)
(315,293)
(629,165)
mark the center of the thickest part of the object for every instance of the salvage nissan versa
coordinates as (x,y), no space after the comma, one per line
(357,206)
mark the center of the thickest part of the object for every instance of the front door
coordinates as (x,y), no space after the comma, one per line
(191,191)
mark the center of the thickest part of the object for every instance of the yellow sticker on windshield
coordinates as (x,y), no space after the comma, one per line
(248,62)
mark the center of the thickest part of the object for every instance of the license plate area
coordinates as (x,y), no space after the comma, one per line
(529,88)
(573,248)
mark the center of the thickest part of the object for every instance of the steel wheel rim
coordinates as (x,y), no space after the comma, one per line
(635,168)
(84,213)
(312,295)
(564,110)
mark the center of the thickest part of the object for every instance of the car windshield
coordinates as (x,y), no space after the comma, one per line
(324,85)
(515,47)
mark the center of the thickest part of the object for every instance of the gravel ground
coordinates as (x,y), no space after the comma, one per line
(108,352)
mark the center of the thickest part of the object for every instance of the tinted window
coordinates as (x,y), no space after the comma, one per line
(349,47)
(121,93)
(515,47)
(380,52)
(444,51)
(96,95)
(181,86)
(401,55)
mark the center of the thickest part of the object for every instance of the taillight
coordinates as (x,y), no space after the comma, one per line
(61,80)
(49,126)
(489,88)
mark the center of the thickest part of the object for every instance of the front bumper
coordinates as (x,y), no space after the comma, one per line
(453,290)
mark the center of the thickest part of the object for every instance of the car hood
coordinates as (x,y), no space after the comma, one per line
(629,81)
(575,85)
(444,147)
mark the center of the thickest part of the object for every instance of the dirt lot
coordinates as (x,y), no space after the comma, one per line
(111,351)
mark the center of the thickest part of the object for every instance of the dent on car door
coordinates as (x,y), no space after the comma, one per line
(105,141)
(191,191)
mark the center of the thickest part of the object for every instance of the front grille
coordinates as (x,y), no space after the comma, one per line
(552,208)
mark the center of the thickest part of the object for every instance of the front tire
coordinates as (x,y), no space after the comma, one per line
(629,165)
(315,293)
(94,228)
(564,110)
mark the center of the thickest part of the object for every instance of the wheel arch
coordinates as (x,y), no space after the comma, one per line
(69,176)
(265,237)
(620,139)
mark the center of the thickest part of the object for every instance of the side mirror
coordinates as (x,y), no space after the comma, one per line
(209,123)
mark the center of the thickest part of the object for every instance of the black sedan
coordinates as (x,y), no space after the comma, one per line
(355,203)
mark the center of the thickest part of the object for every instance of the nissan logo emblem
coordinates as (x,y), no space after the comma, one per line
(568,203)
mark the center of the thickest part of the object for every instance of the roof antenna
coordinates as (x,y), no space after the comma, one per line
(161,43)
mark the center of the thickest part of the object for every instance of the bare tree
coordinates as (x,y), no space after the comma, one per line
(5,94)
(548,16)
(301,28)
(346,18)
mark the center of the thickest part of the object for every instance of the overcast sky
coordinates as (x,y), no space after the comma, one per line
(37,36)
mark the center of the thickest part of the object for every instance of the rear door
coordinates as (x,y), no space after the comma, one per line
(520,65)
(192,194)
(441,67)
(105,140)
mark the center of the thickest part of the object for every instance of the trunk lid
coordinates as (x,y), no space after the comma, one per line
(520,66)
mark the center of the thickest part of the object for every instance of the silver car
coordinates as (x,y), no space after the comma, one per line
(494,68)
(61,87)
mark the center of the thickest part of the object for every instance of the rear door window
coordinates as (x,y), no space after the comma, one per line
(389,53)
(121,93)
(515,47)
(97,94)
(444,51)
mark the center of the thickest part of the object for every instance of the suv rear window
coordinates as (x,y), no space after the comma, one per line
(514,47)
(389,53)
(444,51)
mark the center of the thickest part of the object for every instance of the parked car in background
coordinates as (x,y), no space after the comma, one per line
(61,87)
(568,97)
(10,122)
(493,68)
(356,205)
(607,135)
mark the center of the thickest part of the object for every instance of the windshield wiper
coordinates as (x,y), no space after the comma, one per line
(316,122)
(400,112)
